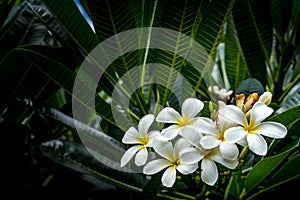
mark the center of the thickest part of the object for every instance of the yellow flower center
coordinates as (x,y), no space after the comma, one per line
(183,121)
(250,128)
(144,141)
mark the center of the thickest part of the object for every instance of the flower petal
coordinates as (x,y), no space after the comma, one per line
(165,149)
(233,113)
(187,169)
(229,151)
(144,124)
(169,177)
(155,166)
(131,136)
(209,172)
(272,129)
(209,142)
(266,98)
(260,112)
(217,156)
(129,154)
(257,144)
(170,132)
(191,107)
(191,156)
(234,134)
(206,125)
(141,157)
(191,135)
(180,146)
(168,115)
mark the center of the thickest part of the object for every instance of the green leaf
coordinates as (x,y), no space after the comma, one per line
(288,117)
(292,100)
(280,12)
(250,85)
(69,17)
(264,168)
(289,171)
(236,68)
(254,28)
(28,73)
(76,157)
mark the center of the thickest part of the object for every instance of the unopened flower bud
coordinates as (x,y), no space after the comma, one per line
(266,98)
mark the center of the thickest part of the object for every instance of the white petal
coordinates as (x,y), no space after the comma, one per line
(154,137)
(209,142)
(260,112)
(217,156)
(234,134)
(209,173)
(169,177)
(229,150)
(168,115)
(129,154)
(191,135)
(243,142)
(155,166)
(170,132)
(257,144)
(180,146)
(191,156)
(272,129)
(206,125)
(191,107)
(141,157)
(165,149)
(131,136)
(145,123)
(266,97)
(233,113)
(187,169)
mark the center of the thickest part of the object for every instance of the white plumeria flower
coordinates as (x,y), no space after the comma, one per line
(255,129)
(215,136)
(142,138)
(171,159)
(190,108)
(222,93)
(208,157)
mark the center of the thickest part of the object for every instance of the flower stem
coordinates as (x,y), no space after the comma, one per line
(202,193)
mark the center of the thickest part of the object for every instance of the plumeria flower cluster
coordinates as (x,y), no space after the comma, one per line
(188,142)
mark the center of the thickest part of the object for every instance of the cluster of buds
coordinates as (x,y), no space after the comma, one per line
(189,142)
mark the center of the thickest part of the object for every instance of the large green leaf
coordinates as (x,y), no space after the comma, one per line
(26,73)
(264,168)
(254,28)
(289,117)
(235,65)
(70,18)
(75,157)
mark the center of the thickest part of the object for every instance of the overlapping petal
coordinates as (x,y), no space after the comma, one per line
(257,144)
(144,124)
(229,151)
(155,166)
(260,112)
(191,107)
(209,172)
(129,154)
(235,134)
(272,129)
(169,177)
(131,136)
(233,113)
(168,115)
